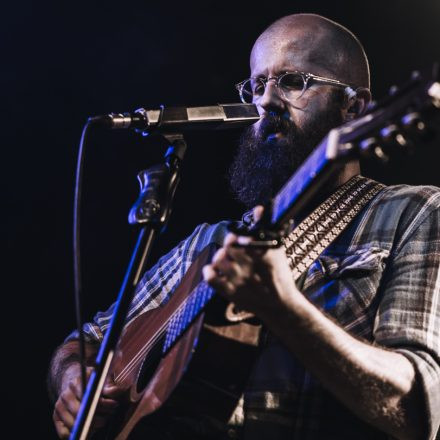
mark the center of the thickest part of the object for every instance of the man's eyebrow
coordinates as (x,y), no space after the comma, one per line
(277,72)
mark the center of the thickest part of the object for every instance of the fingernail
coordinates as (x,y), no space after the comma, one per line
(243,240)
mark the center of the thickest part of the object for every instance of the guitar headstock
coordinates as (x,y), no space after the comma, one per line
(395,125)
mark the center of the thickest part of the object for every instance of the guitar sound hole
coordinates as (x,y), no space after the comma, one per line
(149,366)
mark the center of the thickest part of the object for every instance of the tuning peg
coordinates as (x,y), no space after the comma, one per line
(367,146)
(380,154)
(414,121)
(370,147)
(411,119)
(394,139)
(389,132)
(402,140)
(403,145)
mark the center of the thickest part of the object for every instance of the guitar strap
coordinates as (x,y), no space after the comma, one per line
(321,228)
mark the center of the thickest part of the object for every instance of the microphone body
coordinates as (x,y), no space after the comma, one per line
(181,119)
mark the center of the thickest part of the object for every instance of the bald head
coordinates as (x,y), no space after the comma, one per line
(327,47)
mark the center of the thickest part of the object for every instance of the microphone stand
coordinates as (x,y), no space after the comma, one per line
(151,210)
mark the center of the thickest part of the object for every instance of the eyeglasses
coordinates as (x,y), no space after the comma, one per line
(292,86)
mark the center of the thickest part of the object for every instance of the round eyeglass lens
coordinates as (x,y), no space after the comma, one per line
(252,88)
(292,85)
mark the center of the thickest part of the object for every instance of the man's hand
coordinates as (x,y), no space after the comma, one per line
(69,400)
(258,280)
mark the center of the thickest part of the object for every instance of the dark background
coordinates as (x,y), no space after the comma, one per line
(65,61)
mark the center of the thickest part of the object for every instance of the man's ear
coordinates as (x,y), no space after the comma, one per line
(358,103)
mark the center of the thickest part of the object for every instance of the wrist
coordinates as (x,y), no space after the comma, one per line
(289,306)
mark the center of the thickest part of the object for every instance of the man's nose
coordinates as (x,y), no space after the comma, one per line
(271,100)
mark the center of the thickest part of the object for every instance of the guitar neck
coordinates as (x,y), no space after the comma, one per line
(303,185)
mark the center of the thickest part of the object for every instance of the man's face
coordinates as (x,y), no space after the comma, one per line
(272,149)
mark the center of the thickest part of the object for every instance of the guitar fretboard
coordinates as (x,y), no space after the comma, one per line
(186,313)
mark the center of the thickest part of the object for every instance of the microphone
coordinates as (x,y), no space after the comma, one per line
(180,119)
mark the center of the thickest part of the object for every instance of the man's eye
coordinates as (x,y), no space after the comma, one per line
(292,81)
(258,88)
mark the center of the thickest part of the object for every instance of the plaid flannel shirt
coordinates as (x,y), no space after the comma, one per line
(380,279)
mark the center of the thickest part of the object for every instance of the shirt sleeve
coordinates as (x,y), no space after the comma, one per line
(408,318)
(159,282)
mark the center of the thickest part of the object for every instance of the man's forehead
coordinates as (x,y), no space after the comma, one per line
(293,49)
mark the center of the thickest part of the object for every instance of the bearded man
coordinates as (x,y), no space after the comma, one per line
(351,349)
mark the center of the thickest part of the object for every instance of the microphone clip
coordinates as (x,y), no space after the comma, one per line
(144,114)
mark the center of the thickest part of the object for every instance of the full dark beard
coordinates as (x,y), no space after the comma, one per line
(264,162)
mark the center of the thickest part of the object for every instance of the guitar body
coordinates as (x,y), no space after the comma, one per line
(140,368)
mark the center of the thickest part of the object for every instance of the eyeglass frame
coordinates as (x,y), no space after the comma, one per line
(349,89)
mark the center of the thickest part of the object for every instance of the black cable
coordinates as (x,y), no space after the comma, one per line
(76,251)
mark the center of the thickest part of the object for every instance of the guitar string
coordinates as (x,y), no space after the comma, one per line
(133,362)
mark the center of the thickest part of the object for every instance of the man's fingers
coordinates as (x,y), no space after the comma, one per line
(107,406)
(218,282)
(236,248)
(257,212)
(231,252)
(210,275)
(221,262)
(230,242)
(230,239)
(75,388)
(62,430)
(61,413)
(65,413)
(220,255)
(226,268)
(71,403)
(112,390)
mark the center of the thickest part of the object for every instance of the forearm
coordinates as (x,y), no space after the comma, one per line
(64,358)
(377,384)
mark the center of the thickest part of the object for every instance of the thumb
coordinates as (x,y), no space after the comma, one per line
(111,389)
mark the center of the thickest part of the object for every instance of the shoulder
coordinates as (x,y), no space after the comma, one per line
(410,197)
(405,206)
(394,215)
(206,234)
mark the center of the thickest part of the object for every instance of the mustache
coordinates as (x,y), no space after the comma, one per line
(272,123)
